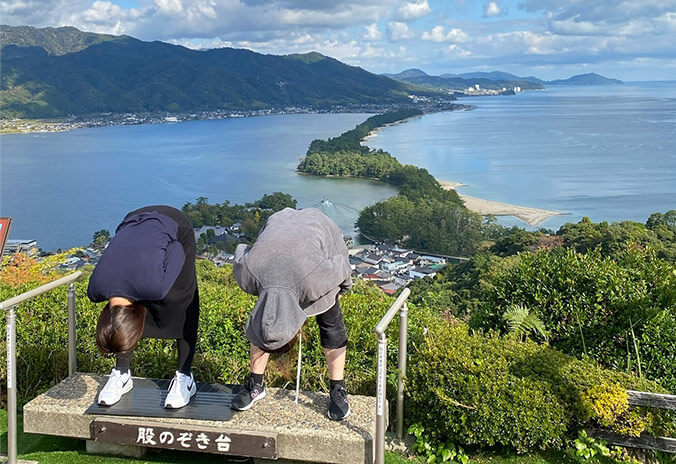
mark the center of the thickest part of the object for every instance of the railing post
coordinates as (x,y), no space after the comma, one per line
(11,387)
(381,369)
(72,356)
(399,305)
(403,339)
(9,305)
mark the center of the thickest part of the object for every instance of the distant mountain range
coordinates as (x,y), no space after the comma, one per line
(494,80)
(55,72)
(458,82)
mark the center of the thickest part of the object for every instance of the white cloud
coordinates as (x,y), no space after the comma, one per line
(597,11)
(411,11)
(198,44)
(370,32)
(438,34)
(170,6)
(399,31)
(42,13)
(491,10)
(304,39)
(373,33)
(666,23)
(171,19)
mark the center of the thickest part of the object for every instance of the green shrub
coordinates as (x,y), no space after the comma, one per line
(464,388)
(605,402)
(484,390)
(594,306)
(657,345)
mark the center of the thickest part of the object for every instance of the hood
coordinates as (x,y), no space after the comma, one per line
(275,319)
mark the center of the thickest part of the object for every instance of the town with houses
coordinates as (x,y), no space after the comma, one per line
(388,267)
(8,126)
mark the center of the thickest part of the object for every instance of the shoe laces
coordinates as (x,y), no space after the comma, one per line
(179,380)
(118,377)
(339,393)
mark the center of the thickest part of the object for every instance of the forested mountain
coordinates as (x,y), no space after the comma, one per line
(495,76)
(494,81)
(57,72)
(55,40)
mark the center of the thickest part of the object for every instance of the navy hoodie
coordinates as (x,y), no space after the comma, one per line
(151,260)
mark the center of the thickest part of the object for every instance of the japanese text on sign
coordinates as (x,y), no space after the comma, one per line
(148,436)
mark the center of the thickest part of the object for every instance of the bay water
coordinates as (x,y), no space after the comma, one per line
(60,188)
(606,152)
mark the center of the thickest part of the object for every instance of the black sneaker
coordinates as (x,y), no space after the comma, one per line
(339,408)
(248,395)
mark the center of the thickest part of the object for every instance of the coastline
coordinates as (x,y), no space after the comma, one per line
(374,133)
(531,216)
(63,124)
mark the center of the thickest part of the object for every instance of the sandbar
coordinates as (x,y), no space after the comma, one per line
(531,216)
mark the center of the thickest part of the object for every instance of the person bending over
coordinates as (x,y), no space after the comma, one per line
(147,276)
(298,267)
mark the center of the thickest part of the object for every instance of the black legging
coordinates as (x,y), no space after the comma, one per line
(185,346)
(186,352)
(332,332)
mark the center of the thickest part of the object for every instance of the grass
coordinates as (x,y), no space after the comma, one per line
(58,450)
(550,457)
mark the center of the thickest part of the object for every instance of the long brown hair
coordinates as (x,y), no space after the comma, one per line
(119,327)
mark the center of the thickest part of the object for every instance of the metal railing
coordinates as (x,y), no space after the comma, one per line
(398,306)
(9,305)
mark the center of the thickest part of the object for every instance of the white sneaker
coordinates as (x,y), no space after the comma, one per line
(117,385)
(181,389)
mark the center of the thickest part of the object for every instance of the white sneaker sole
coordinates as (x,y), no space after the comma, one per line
(248,406)
(328,414)
(126,388)
(193,391)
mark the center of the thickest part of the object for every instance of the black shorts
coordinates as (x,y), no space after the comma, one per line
(332,333)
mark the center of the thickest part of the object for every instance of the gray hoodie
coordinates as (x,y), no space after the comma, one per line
(297,267)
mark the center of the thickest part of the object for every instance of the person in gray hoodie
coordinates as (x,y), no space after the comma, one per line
(298,267)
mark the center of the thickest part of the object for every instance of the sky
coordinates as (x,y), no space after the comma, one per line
(550,39)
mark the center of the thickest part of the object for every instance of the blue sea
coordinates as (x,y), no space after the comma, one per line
(60,188)
(606,152)
(603,152)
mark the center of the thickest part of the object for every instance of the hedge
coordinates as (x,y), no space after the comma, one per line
(222,351)
(474,389)
(486,390)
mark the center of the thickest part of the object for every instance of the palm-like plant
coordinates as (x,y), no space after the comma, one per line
(523,324)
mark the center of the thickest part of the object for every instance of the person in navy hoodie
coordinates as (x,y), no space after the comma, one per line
(147,276)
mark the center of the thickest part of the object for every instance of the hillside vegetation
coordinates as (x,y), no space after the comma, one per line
(54,40)
(474,389)
(59,72)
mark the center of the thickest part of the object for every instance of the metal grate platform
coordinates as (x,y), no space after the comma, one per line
(146,399)
(275,426)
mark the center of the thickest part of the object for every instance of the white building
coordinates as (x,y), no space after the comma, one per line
(27,247)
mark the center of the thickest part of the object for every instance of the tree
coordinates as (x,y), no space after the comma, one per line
(276,201)
(100,238)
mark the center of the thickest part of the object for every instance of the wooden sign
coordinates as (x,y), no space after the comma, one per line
(5,222)
(185,438)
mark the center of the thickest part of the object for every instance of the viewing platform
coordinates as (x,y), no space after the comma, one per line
(276,428)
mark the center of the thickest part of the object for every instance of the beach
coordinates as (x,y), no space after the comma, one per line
(531,216)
